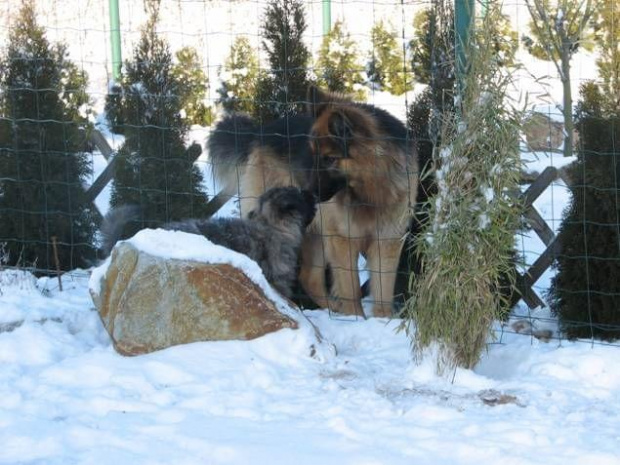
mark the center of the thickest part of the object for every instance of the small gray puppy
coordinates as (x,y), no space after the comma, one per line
(271,235)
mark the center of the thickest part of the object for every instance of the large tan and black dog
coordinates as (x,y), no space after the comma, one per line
(361,164)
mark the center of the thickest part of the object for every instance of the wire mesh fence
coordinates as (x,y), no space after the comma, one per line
(78,139)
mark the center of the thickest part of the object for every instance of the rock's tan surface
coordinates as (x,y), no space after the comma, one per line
(149,303)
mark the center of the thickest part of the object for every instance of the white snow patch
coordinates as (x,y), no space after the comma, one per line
(67,397)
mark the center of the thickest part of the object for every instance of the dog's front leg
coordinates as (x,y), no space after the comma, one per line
(312,272)
(342,255)
(382,263)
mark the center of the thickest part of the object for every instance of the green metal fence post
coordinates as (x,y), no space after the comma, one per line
(115,36)
(327,17)
(463,21)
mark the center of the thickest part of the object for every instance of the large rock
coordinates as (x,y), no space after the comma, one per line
(149,302)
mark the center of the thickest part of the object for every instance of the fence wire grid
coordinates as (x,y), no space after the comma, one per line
(60,171)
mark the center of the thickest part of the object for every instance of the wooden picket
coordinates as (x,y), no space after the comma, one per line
(533,219)
(98,140)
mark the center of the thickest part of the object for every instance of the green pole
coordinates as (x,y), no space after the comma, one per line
(463,18)
(115,36)
(327,16)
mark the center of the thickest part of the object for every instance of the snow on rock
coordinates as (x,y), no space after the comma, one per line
(164,288)
(179,245)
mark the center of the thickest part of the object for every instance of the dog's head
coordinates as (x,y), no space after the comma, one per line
(342,137)
(286,206)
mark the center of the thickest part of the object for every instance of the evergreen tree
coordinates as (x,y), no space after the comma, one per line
(504,40)
(283,91)
(585,293)
(436,66)
(418,119)
(607,36)
(424,120)
(425,24)
(387,68)
(154,168)
(194,83)
(559,28)
(338,64)
(420,47)
(42,166)
(239,76)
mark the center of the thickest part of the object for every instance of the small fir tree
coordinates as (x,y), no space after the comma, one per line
(424,120)
(338,66)
(418,122)
(424,116)
(585,292)
(239,76)
(421,46)
(388,69)
(194,84)
(42,166)
(437,68)
(504,40)
(155,170)
(607,37)
(283,91)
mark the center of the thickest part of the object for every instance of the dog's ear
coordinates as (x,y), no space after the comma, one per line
(339,125)
(318,100)
(340,129)
(348,123)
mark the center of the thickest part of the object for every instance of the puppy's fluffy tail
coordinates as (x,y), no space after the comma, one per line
(229,147)
(113,224)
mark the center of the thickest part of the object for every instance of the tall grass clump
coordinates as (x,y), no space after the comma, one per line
(467,245)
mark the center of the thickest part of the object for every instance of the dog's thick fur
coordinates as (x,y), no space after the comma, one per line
(271,235)
(359,161)
(257,158)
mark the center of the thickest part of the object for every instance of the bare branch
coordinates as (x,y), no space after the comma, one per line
(539,13)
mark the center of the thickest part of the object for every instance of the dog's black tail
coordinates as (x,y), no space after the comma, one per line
(229,147)
(113,225)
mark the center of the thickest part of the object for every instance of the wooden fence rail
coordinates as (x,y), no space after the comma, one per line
(533,219)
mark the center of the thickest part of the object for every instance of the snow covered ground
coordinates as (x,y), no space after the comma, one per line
(66,397)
